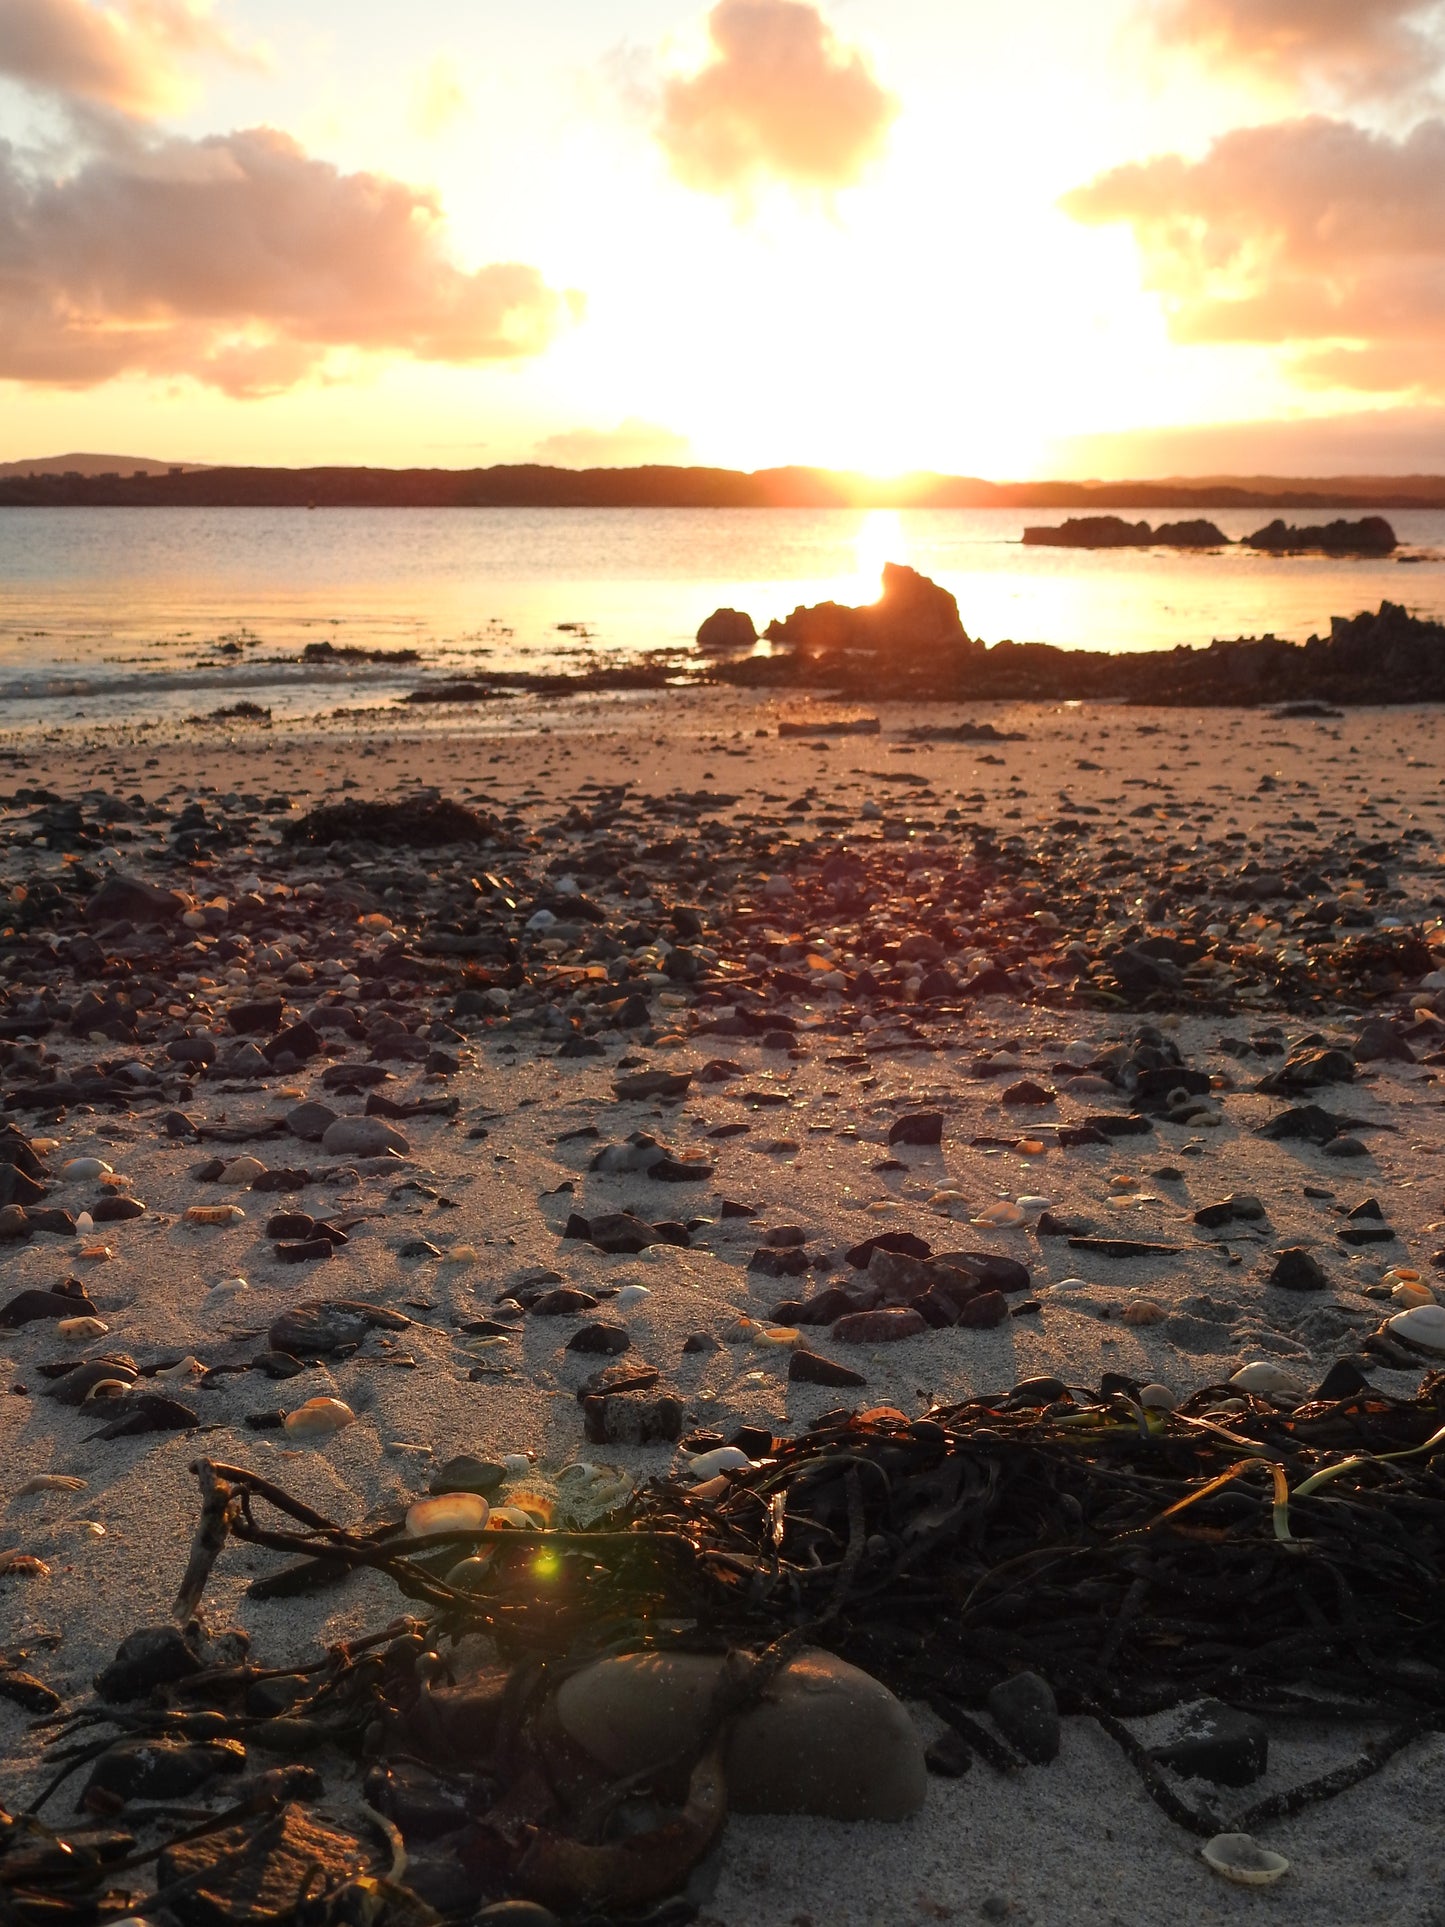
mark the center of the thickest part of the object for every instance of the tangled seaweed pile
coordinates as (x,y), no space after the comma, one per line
(1286,1560)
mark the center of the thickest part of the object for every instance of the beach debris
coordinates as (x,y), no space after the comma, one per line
(1236,1857)
(319,1418)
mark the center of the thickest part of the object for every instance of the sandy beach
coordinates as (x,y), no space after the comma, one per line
(1100,828)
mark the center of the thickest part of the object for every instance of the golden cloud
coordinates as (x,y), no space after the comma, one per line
(1356,47)
(128,55)
(245,263)
(1313,234)
(781,98)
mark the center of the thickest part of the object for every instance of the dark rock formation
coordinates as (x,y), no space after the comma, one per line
(1113,532)
(1371,535)
(912,617)
(726,632)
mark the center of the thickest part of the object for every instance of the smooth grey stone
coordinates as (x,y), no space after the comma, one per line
(1027,1714)
(825,1739)
(310,1121)
(365,1137)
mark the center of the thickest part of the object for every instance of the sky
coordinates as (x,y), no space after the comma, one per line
(1072,237)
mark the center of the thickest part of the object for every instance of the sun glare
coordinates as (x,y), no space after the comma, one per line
(881,538)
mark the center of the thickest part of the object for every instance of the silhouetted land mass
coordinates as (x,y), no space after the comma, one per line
(1372,535)
(912,643)
(529,485)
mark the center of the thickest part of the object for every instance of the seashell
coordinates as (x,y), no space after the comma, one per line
(511,1518)
(1401,1274)
(104,1388)
(1235,1856)
(1157,1398)
(80,1329)
(188,1367)
(742,1331)
(450,1512)
(43,1146)
(97,1254)
(1143,1311)
(1263,1377)
(780,1336)
(460,1255)
(23,1565)
(83,1168)
(1031,1147)
(1411,1292)
(214,1214)
(1422,1325)
(1033,1207)
(50,1482)
(631,1295)
(516,1465)
(318,1418)
(537,1506)
(1072,1284)
(84,1223)
(1002,1215)
(1119,1182)
(724,1458)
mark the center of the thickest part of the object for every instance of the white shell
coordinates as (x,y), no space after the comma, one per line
(80,1329)
(516,1465)
(1237,1857)
(318,1418)
(631,1295)
(86,1168)
(84,1223)
(1261,1376)
(724,1458)
(1034,1207)
(1422,1325)
(447,1512)
(1157,1398)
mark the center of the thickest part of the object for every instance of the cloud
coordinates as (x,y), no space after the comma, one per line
(128,55)
(1357,47)
(1314,234)
(438,99)
(245,263)
(780,97)
(632,444)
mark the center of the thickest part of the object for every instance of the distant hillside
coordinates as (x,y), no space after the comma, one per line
(121,482)
(89,465)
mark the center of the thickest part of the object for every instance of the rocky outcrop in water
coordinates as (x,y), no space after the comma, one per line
(1372,535)
(913,617)
(1113,532)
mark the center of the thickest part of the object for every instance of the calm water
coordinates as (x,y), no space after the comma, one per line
(111,612)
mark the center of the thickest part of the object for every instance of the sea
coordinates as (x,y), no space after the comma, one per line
(157,615)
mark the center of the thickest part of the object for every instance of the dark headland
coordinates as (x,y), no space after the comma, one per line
(530,485)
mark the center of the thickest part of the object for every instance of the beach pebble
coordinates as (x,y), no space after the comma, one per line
(1025,1711)
(362,1137)
(827,1739)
